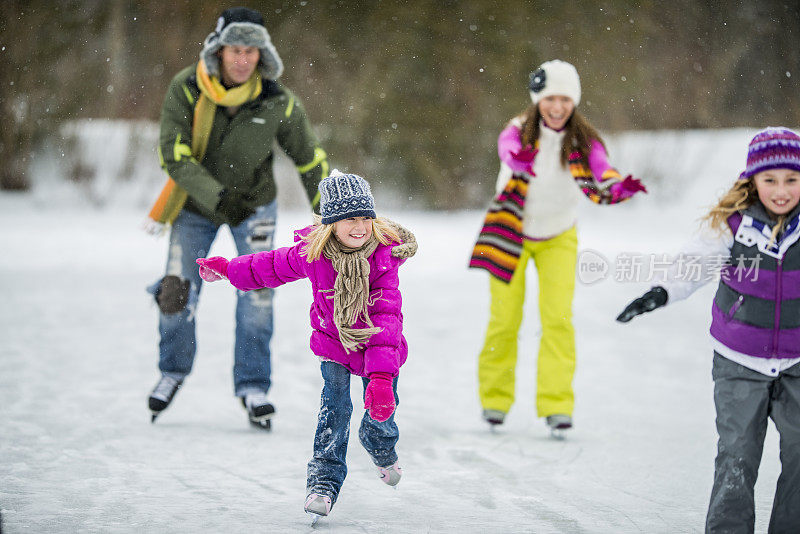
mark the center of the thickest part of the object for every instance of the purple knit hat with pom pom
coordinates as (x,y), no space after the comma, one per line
(772,148)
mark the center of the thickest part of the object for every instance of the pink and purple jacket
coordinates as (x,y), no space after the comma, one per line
(531,206)
(513,154)
(385,351)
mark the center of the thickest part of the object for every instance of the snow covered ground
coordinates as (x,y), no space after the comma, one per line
(79,351)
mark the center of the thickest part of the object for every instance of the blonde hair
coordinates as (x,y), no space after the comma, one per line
(383,230)
(740,196)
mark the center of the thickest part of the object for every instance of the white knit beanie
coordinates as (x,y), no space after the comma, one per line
(555,77)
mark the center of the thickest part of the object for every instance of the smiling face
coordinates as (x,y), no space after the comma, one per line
(353,232)
(556,110)
(237,64)
(778,189)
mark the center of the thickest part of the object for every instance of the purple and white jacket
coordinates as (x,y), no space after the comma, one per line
(385,351)
(756,310)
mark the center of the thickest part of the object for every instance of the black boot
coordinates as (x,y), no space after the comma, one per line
(259,409)
(162,395)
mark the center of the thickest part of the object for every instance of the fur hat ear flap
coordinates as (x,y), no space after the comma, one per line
(240,26)
(209,54)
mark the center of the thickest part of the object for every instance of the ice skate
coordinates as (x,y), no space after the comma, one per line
(259,410)
(162,395)
(495,418)
(559,424)
(317,506)
(391,475)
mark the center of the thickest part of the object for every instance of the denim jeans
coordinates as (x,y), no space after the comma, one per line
(191,238)
(328,468)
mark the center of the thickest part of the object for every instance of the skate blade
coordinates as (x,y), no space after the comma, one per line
(266,424)
(493,424)
(260,418)
(558,434)
(313,517)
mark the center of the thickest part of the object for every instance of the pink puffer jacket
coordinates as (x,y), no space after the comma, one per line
(385,351)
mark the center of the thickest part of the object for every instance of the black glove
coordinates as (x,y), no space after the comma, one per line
(655,298)
(233,208)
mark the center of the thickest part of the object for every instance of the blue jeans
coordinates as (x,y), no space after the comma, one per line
(328,467)
(191,238)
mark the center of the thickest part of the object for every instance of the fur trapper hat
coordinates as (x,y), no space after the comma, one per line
(555,77)
(241,26)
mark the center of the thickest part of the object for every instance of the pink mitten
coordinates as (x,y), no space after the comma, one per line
(522,160)
(379,396)
(512,153)
(213,269)
(626,189)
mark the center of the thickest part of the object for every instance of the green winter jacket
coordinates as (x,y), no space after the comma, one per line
(240,147)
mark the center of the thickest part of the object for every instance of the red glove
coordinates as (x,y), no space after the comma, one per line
(522,160)
(626,189)
(213,269)
(379,396)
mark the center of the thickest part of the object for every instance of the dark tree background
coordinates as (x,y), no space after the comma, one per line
(411,94)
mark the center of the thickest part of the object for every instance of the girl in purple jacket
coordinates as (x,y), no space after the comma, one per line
(351,258)
(751,243)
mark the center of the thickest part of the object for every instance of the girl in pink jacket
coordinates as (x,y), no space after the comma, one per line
(351,258)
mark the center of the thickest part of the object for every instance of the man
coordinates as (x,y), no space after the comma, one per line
(219,121)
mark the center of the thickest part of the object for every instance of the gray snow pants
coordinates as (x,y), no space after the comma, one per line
(744,399)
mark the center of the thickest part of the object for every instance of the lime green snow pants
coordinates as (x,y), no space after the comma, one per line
(555,261)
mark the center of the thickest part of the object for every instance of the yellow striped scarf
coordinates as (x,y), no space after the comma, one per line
(212,94)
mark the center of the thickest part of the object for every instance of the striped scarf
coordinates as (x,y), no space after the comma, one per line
(212,93)
(499,244)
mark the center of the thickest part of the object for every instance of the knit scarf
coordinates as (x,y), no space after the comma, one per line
(499,244)
(351,291)
(212,93)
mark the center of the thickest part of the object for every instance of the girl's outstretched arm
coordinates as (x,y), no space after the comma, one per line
(609,187)
(256,271)
(268,269)
(698,262)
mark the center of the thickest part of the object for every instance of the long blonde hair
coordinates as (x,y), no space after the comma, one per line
(740,196)
(383,230)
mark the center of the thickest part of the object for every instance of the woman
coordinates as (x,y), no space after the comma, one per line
(549,155)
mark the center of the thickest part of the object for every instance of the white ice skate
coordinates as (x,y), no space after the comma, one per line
(559,423)
(495,418)
(317,506)
(390,475)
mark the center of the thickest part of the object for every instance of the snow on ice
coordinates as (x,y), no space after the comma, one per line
(79,352)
